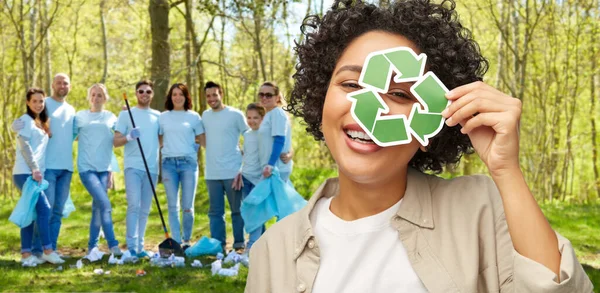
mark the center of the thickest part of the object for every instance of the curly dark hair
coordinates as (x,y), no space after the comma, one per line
(452,55)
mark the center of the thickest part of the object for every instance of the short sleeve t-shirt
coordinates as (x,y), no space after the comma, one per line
(275,123)
(251,168)
(95,132)
(59,153)
(179,130)
(223,130)
(147,121)
(37,139)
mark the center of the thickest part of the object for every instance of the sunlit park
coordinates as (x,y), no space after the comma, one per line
(545,54)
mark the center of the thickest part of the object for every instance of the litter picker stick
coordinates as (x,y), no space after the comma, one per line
(147,169)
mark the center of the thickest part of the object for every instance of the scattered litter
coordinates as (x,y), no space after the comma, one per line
(128,258)
(234,257)
(94,255)
(140,273)
(171,261)
(196,264)
(219,256)
(215,266)
(59,268)
(98,271)
(79,264)
(107,273)
(218,270)
(112,260)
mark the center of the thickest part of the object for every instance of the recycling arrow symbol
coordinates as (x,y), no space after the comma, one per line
(369,109)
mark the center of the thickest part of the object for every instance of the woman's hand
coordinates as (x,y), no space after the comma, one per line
(37,176)
(238,183)
(267,171)
(491,120)
(286,157)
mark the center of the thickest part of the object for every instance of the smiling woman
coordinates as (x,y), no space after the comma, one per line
(384,225)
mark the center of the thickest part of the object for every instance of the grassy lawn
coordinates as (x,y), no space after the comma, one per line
(580,224)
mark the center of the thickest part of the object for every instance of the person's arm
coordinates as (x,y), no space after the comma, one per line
(278,142)
(197,141)
(120,139)
(287,157)
(27,153)
(160,141)
(201,139)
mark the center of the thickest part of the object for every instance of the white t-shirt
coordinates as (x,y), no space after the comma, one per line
(364,255)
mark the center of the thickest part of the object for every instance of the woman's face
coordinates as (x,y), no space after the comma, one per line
(36,103)
(362,160)
(178,99)
(97,97)
(267,97)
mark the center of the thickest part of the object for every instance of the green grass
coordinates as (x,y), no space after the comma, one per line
(578,223)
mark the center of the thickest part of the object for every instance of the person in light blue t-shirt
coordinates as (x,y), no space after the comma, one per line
(251,167)
(32,141)
(223,126)
(180,132)
(94,128)
(137,185)
(59,155)
(275,133)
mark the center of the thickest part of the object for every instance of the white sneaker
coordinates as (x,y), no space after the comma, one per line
(30,261)
(52,258)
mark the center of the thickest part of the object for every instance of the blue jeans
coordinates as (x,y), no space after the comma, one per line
(180,171)
(217,189)
(96,184)
(57,193)
(42,208)
(139,200)
(254,235)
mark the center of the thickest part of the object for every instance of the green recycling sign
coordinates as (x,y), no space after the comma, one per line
(368,108)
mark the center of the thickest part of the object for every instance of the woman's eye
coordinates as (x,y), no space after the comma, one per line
(351,85)
(400,95)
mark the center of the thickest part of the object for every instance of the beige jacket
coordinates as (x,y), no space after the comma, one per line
(454,232)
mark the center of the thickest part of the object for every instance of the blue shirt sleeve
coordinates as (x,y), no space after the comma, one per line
(278,142)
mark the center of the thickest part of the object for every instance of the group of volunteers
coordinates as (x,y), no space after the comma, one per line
(45,136)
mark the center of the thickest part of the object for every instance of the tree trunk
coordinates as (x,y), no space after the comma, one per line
(594,95)
(161,65)
(47,55)
(104,44)
(32,34)
(258,15)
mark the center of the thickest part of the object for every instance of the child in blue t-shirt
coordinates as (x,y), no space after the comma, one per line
(251,168)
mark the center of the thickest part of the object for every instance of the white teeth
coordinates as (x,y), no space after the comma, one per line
(358,134)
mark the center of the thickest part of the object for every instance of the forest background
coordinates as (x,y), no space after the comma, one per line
(544,52)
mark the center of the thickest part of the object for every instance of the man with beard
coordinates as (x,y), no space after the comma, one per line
(223,127)
(59,155)
(137,185)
